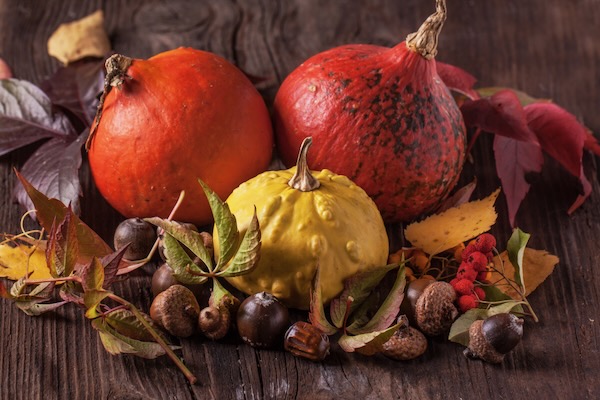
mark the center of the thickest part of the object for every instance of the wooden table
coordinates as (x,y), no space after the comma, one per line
(548,48)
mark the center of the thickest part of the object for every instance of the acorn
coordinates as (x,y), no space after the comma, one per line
(177,310)
(214,322)
(491,339)
(406,344)
(435,311)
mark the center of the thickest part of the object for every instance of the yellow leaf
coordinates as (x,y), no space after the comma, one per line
(75,40)
(454,226)
(537,266)
(16,261)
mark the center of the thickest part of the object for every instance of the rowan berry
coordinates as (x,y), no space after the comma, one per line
(478,261)
(466,302)
(485,242)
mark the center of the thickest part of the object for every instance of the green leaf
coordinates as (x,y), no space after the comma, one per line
(35,309)
(367,343)
(92,281)
(494,295)
(516,248)
(188,237)
(62,249)
(48,210)
(358,286)
(317,315)
(180,261)
(115,343)
(218,294)
(459,332)
(507,307)
(226,225)
(247,256)
(126,323)
(388,311)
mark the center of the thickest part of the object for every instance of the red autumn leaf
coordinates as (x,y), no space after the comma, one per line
(514,160)
(586,189)
(501,114)
(591,143)
(559,134)
(457,79)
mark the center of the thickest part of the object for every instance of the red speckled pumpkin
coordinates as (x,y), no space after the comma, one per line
(382,117)
(181,115)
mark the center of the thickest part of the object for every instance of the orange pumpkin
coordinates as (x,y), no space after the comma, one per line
(177,117)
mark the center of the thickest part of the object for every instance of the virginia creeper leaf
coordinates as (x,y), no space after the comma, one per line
(388,311)
(247,256)
(317,314)
(457,79)
(591,143)
(461,196)
(76,88)
(49,209)
(514,160)
(126,323)
(559,134)
(563,138)
(180,261)
(62,248)
(70,293)
(501,113)
(367,343)
(358,286)
(524,98)
(26,116)
(92,281)
(190,238)
(516,249)
(111,264)
(115,343)
(225,224)
(36,309)
(54,170)
(4,293)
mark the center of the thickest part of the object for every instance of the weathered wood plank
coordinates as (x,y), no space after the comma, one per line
(547,48)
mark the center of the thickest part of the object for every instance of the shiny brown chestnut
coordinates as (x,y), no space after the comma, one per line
(262,320)
(139,234)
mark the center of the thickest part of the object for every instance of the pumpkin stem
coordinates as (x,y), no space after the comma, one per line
(116,73)
(302,179)
(425,40)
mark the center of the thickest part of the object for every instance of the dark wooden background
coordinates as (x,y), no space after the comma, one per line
(548,48)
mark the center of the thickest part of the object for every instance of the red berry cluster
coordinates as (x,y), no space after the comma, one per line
(473,267)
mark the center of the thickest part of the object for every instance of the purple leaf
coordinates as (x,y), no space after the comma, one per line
(62,249)
(461,196)
(514,160)
(76,88)
(54,170)
(501,113)
(587,190)
(111,264)
(26,116)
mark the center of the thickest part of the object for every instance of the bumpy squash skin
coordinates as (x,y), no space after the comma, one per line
(337,225)
(380,116)
(181,115)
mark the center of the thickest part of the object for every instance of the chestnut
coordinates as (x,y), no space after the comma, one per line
(139,234)
(262,320)
(414,290)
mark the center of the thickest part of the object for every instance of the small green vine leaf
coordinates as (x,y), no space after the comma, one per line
(116,343)
(225,223)
(183,266)
(247,256)
(317,315)
(188,237)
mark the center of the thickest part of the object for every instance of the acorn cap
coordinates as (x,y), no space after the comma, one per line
(407,343)
(176,309)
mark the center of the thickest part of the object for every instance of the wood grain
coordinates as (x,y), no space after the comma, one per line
(546,48)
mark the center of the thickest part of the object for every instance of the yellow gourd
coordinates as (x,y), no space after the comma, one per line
(306,220)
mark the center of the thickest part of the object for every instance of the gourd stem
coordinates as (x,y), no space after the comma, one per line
(302,179)
(425,40)
(116,72)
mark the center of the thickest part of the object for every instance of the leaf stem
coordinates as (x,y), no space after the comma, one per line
(188,374)
(349,301)
(71,278)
